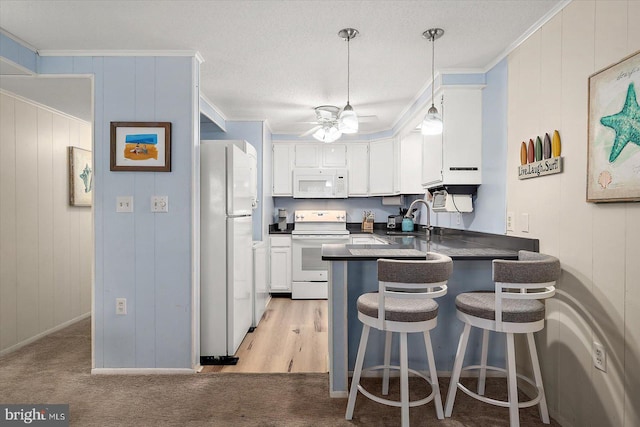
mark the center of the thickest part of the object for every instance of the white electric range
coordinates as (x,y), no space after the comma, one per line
(312,229)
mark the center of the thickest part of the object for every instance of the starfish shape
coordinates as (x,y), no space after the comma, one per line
(626,124)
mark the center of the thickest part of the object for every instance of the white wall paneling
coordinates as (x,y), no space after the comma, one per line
(45,249)
(597,296)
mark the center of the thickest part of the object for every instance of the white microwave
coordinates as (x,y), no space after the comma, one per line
(311,183)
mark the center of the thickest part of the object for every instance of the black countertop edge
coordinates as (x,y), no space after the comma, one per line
(273,229)
(497,241)
(500,241)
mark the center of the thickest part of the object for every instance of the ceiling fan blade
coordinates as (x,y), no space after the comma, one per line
(312,130)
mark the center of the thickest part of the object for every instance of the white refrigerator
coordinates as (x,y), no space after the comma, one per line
(226,255)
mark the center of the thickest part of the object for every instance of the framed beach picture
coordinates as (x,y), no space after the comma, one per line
(613,151)
(80,177)
(141,146)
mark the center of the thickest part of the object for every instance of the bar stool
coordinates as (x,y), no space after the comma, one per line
(514,308)
(404,304)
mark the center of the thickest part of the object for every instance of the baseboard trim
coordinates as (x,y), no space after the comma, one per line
(44,334)
(142,371)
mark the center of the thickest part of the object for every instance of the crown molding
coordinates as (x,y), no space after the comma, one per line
(535,27)
(18,40)
(53,52)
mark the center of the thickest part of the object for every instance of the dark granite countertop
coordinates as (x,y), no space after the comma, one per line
(273,229)
(458,244)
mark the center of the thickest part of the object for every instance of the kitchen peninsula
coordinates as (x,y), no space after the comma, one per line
(353,271)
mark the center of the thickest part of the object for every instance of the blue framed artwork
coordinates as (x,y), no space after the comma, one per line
(141,146)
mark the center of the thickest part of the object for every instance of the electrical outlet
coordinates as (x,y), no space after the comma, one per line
(599,356)
(121,306)
(458,218)
(510,222)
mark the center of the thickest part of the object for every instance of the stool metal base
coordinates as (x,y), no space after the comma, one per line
(397,403)
(501,403)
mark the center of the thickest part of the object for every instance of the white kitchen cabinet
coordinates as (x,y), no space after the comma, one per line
(334,155)
(280,264)
(312,155)
(282,169)
(358,167)
(455,157)
(410,164)
(307,155)
(260,287)
(383,170)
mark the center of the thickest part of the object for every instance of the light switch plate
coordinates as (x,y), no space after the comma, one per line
(159,203)
(524,223)
(124,204)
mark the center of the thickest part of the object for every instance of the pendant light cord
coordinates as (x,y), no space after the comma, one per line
(348,68)
(433,55)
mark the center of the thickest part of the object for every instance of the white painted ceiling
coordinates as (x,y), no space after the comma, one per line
(275,60)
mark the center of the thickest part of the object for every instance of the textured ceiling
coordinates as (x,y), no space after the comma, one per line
(276,60)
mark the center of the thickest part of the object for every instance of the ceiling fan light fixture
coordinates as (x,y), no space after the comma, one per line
(432,123)
(327,134)
(348,120)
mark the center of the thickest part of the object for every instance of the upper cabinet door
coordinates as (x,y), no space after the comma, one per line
(282,170)
(455,157)
(382,167)
(307,155)
(358,165)
(334,155)
(410,167)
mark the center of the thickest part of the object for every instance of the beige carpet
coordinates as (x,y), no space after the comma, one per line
(56,369)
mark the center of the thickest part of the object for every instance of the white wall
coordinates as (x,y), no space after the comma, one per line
(45,244)
(598,244)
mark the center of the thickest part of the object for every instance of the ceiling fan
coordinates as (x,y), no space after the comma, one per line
(327,124)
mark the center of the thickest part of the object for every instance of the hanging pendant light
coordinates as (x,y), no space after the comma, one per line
(348,119)
(432,123)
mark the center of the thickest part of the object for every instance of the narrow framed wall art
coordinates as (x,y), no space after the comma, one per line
(80,177)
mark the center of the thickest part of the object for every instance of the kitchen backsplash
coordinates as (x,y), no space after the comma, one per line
(353,206)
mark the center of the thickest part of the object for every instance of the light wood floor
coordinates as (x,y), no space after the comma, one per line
(291,337)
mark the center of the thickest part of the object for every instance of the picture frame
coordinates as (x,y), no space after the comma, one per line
(80,176)
(613,147)
(141,146)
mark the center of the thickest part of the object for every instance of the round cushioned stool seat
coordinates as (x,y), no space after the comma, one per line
(483,305)
(399,309)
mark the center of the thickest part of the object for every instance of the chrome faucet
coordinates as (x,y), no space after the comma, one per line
(408,215)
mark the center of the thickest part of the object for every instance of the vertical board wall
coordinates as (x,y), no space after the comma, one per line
(598,295)
(141,256)
(45,244)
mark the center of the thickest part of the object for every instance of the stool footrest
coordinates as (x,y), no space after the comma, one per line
(396,403)
(495,402)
